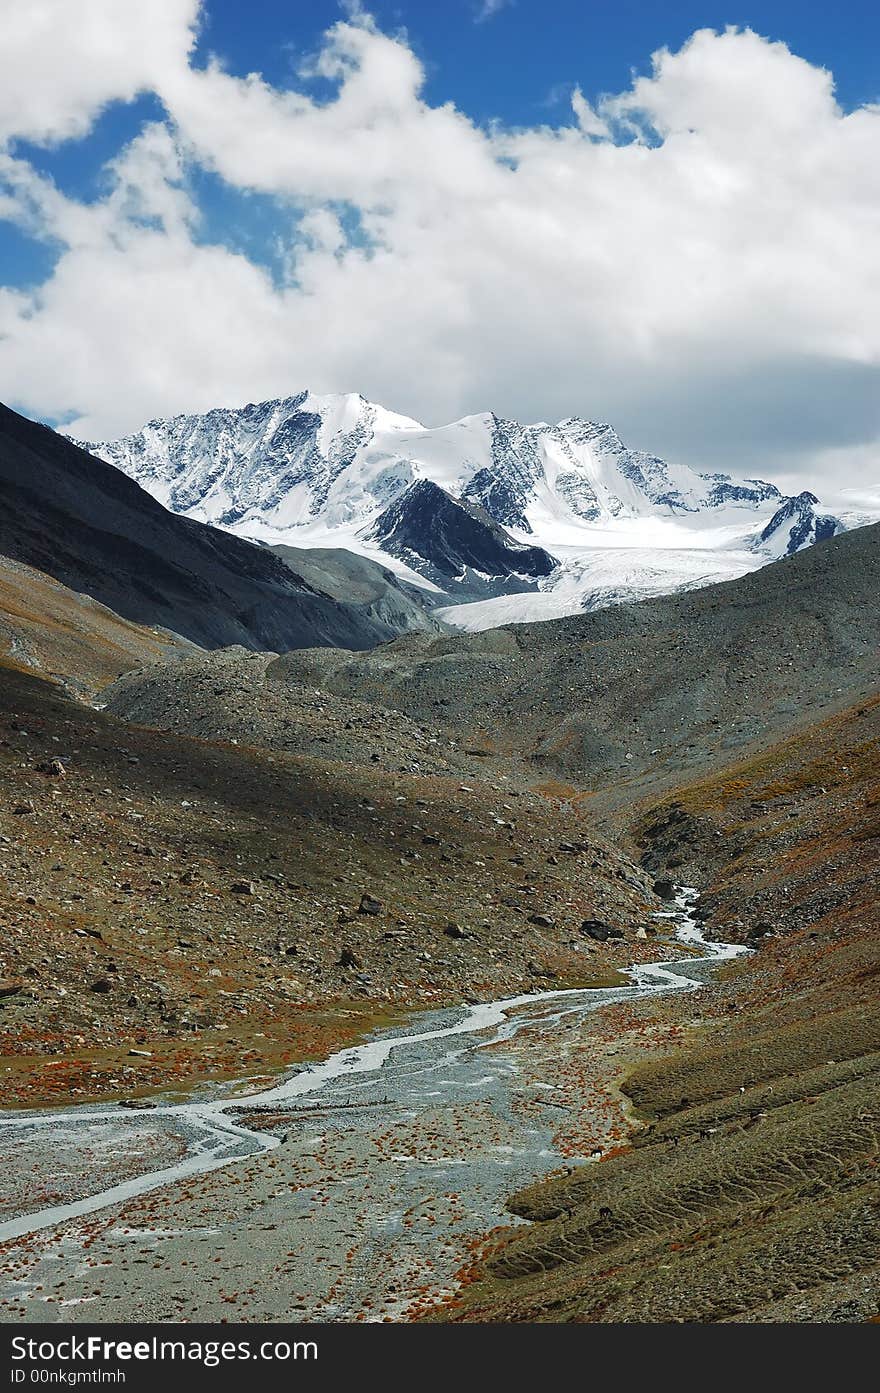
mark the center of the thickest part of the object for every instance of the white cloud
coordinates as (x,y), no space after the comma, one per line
(696,259)
(62,61)
(589,121)
(488,9)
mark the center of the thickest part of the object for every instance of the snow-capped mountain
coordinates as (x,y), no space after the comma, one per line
(796,524)
(482,498)
(333,463)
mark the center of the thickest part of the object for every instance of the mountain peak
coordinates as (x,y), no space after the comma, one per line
(795,525)
(323,470)
(452,540)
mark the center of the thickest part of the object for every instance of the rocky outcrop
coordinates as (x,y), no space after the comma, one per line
(456,544)
(797,524)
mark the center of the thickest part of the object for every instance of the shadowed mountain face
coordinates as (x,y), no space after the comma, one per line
(457,544)
(91,527)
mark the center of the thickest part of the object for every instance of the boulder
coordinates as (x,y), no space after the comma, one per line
(454,931)
(665,889)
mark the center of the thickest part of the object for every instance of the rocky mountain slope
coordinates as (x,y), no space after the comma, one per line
(341,471)
(69,638)
(747,1191)
(621,701)
(229,905)
(642,691)
(91,527)
(384,600)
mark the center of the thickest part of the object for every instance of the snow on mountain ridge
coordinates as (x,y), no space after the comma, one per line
(321,470)
(280,465)
(796,524)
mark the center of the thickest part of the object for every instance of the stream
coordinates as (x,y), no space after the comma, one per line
(432,1125)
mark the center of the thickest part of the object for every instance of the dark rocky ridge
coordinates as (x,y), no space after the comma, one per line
(91,527)
(804,524)
(457,544)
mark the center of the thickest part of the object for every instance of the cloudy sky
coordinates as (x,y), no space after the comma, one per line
(667,217)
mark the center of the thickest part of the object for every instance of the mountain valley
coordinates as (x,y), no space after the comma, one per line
(262,803)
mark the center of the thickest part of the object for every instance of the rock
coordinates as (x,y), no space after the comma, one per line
(103,984)
(454,931)
(537,971)
(633,882)
(369,905)
(665,889)
(54,768)
(22,809)
(10,988)
(348,958)
(594,928)
(141,1054)
(430,840)
(543,921)
(242,887)
(289,987)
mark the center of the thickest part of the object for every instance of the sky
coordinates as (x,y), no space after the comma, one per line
(665,216)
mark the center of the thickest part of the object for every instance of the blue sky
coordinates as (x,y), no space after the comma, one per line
(510,65)
(519,62)
(518,65)
(452,207)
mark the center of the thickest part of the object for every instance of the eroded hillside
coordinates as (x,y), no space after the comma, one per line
(750,1188)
